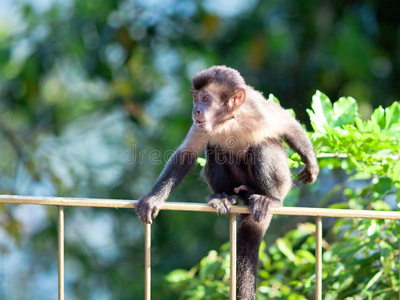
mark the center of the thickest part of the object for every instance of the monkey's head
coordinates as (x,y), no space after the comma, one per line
(217,93)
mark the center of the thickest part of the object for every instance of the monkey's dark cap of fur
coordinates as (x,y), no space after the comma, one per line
(221,75)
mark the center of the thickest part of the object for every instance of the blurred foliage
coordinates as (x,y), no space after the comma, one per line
(360,256)
(90,89)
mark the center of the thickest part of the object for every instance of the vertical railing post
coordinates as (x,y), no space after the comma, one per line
(147,262)
(318,259)
(61,253)
(232,231)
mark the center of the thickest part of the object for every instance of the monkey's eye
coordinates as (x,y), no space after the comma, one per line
(195,99)
(205,99)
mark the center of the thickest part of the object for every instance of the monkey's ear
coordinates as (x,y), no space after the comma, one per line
(238,98)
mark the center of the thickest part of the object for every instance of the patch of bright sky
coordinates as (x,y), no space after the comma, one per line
(223,8)
(229,8)
(10,19)
(168,7)
(5,6)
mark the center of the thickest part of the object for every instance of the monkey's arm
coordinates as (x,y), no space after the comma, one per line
(297,139)
(180,163)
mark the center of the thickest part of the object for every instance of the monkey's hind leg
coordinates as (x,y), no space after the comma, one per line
(259,206)
(219,182)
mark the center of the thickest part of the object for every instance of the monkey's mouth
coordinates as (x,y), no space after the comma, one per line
(198,122)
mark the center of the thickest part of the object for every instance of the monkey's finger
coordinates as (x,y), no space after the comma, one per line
(227,206)
(312,178)
(154,212)
(307,179)
(145,217)
(141,211)
(214,203)
(302,173)
(220,205)
(303,176)
(260,213)
(256,216)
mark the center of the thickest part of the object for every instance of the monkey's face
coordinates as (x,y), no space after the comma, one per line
(213,106)
(209,110)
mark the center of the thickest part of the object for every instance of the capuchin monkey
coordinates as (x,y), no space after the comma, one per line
(242,133)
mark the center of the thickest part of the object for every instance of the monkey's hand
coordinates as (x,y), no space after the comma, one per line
(222,202)
(259,206)
(148,207)
(308,174)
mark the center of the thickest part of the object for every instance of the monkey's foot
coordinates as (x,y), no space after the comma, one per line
(221,202)
(240,188)
(259,206)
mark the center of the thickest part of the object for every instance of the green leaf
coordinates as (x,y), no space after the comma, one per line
(395,173)
(306,255)
(378,117)
(197,293)
(373,280)
(380,205)
(345,111)
(382,185)
(286,248)
(346,283)
(342,205)
(291,112)
(296,297)
(273,98)
(178,276)
(209,264)
(355,162)
(320,115)
(264,274)
(201,161)
(393,115)
(359,123)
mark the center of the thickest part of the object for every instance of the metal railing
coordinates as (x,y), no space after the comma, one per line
(319,213)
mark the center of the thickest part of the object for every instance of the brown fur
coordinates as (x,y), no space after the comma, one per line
(242,133)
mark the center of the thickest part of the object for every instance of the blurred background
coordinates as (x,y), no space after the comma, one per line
(94,95)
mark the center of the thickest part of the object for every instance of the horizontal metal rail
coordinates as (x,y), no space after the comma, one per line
(319,213)
(179,206)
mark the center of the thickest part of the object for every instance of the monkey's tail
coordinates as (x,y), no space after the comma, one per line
(250,235)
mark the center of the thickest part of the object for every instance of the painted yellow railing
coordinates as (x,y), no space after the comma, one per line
(319,213)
